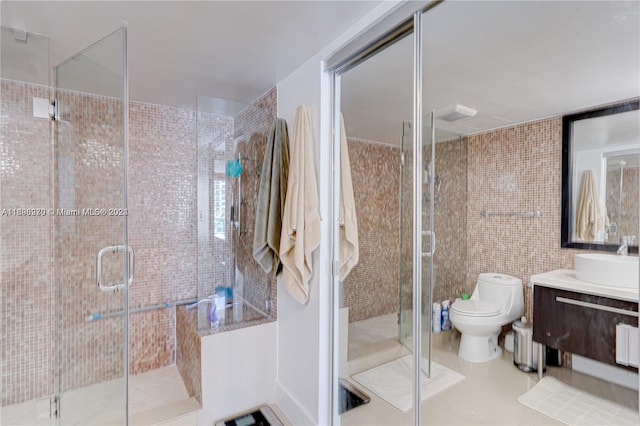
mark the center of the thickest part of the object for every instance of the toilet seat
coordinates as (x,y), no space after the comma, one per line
(476,308)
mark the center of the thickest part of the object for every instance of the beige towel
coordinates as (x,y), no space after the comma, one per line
(271,195)
(301,216)
(590,219)
(349,250)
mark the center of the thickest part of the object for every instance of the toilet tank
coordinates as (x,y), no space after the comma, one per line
(502,289)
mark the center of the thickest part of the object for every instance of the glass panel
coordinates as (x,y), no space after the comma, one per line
(405,293)
(26,293)
(375,320)
(25,57)
(444,206)
(90,234)
(232,288)
(621,193)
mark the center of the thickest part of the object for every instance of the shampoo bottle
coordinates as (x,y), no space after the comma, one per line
(436,319)
(446,322)
(214,322)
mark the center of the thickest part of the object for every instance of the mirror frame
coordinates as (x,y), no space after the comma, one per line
(567,184)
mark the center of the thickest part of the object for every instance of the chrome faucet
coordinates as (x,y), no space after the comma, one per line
(625,242)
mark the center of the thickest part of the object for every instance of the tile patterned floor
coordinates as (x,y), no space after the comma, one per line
(488,395)
(86,406)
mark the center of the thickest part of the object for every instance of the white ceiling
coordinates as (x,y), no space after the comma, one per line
(233,50)
(512,61)
(609,132)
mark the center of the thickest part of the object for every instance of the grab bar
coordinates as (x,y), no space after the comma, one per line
(96,317)
(535,214)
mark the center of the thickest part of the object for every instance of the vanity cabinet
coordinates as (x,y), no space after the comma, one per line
(580,323)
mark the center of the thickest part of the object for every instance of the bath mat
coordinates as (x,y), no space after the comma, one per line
(393,381)
(572,406)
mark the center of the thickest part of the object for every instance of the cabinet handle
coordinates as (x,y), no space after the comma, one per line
(596,306)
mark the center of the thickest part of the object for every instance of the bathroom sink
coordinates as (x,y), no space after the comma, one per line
(608,269)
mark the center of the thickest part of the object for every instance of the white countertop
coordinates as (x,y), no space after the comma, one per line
(565,279)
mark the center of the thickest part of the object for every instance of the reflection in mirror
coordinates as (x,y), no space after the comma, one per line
(622,193)
(231,141)
(600,176)
(376,124)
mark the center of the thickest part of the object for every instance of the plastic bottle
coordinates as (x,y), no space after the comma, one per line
(436,319)
(446,322)
(214,322)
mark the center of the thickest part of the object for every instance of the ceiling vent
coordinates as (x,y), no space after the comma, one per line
(457,112)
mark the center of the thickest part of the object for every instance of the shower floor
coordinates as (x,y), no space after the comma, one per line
(162,387)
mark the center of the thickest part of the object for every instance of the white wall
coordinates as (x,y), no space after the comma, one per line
(304,334)
(238,371)
(299,342)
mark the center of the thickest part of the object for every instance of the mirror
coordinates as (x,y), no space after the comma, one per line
(600,167)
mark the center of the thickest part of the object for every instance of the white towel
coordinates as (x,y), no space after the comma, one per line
(590,219)
(349,250)
(301,215)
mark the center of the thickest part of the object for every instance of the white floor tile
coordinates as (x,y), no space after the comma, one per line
(487,396)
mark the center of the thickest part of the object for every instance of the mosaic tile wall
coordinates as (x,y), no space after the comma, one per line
(516,169)
(450,221)
(371,289)
(89,150)
(498,171)
(26,244)
(162,203)
(162,231)
(251,128)
(188,354)
(215,136)
(223,139)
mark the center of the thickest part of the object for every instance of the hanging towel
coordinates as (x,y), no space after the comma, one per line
(301,216)
(271,195)
(349,250)
(590,219)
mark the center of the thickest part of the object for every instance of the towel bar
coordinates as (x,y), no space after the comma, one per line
(535,214)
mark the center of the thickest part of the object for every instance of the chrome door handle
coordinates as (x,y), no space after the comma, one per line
(114,250)
(432,243)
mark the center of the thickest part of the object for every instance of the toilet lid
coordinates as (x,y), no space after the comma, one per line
(477,308)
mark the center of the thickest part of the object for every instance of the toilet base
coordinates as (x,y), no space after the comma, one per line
(479,348)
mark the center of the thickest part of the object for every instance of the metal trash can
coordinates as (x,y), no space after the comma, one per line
(525,351)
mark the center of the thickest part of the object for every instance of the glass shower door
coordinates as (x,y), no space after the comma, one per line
(417,236)
(405,294)
(405,303)
(93,264)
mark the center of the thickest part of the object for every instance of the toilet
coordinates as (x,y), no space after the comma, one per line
(497,300)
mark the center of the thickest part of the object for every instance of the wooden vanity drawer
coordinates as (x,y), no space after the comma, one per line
(580,323)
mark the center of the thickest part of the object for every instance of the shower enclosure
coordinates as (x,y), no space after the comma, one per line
(431,220)
(68,254)
(416,242)
(427,254)
(93,261)
(231,146)
(621,193)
